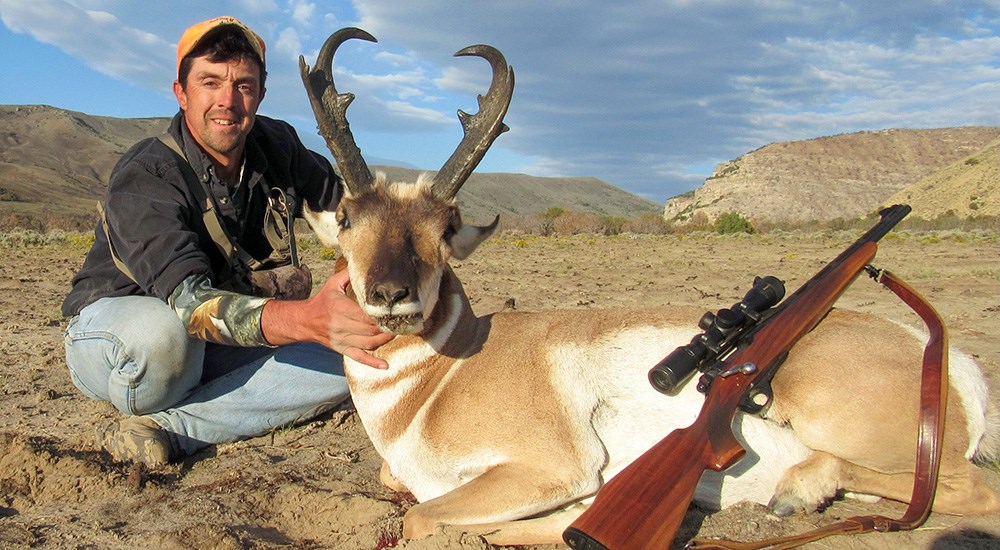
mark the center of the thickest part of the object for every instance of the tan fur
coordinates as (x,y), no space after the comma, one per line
(491,420)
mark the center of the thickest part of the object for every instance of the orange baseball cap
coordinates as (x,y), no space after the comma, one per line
(196,32)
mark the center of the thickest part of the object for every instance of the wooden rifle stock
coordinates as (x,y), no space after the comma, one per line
(644,504)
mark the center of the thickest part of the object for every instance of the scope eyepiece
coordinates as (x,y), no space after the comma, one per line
(673,370)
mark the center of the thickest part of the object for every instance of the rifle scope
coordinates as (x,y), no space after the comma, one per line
(721,331)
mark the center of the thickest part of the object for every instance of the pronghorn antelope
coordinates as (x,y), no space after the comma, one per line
(506,425)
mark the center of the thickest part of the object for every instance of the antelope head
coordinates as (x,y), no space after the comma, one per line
(397,238)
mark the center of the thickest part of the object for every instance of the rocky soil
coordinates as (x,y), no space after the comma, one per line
(316,485)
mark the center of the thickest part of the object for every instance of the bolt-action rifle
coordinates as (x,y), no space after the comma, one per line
(738,353)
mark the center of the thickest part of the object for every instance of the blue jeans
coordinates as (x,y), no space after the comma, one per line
(134,352)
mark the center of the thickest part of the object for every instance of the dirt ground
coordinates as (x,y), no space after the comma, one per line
(316,485)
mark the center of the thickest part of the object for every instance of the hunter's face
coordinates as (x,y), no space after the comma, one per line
(220,102)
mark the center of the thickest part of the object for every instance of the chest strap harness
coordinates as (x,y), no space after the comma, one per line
(279,224)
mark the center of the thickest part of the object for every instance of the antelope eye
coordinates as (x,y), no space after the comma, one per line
(343,221)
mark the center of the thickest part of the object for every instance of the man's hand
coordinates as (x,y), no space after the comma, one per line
(331,318)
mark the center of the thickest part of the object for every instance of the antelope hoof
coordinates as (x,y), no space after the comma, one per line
(787,502)
(416,525)
(808,486)
(785,505)
(389,480)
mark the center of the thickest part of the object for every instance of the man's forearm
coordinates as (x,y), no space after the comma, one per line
(288,321)
(219,316)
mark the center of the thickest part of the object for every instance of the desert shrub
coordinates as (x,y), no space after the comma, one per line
(306,241)
(649,224)
(46,221)
(518,224)
(25,238)
(77,241)
(732,222)
(547,220)
(612,225)
(565,222)
(838,224)
(697,222)
(575,223)
(80,240)
(7,195)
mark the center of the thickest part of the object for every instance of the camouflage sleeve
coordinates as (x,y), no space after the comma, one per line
(218,316)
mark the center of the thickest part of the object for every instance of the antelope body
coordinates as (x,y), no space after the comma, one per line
(506,425)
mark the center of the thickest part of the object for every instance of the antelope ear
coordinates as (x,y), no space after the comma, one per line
(324,225)
(468,237)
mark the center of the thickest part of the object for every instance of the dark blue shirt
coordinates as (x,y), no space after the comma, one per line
(156,222)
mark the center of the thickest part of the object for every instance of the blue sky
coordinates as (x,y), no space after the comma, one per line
(648,95)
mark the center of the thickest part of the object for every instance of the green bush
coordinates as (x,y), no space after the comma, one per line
(612,225)
(732,222)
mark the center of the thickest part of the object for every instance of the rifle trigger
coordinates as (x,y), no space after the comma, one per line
(758,397)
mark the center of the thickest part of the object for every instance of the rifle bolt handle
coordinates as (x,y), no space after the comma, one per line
(745,368)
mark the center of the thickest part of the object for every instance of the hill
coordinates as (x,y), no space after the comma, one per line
(842,176)
(55,164)
(967,187)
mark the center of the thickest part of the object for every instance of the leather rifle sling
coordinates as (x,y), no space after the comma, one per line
(933,403)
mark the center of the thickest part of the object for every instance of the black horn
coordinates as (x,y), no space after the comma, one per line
(480,129)
(330,108)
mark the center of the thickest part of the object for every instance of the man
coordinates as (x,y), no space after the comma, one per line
(164,321)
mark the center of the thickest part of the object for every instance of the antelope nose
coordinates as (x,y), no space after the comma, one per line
(388,295)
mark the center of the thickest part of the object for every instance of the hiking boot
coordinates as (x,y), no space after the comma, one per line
(136,438)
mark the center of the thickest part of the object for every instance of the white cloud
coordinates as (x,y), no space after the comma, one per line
(411,112)
(394,59)
(829,86)
(289,42)
(401,85)
(465,79)
(101,17)
(303,12)
(96,37)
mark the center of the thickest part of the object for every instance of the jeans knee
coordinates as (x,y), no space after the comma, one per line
(135,352)
(164,371)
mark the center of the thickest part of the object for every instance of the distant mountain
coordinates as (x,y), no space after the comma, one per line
(851,175)
(486,195)
(56,163)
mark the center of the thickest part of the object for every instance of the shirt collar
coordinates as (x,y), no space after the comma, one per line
(254,161)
